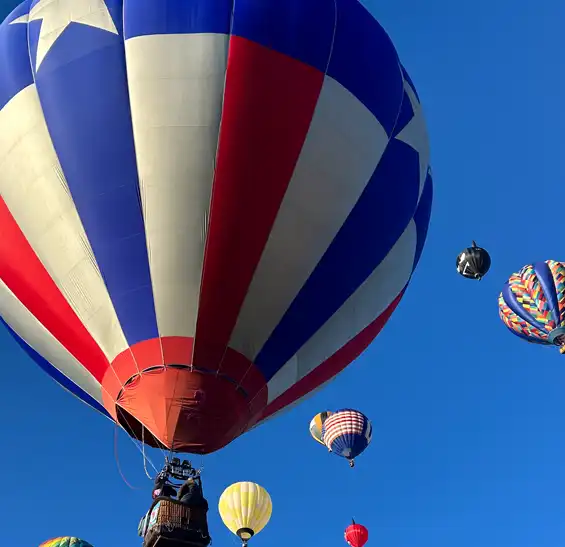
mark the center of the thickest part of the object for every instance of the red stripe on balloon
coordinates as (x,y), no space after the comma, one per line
(24,274)
(269,102)
(334,364)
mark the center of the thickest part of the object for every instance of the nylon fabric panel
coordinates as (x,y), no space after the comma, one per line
(82,86)
(159,17)
(176,85)
(354,37)
(25,277)
(320,372)
(268,106)
(333,366)
(380,289)
(36,193)
(342,149)
(377,220)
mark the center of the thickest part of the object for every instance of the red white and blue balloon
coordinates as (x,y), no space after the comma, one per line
(347,433)
(208,208)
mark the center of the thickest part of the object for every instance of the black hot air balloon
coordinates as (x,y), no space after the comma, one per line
(473,262)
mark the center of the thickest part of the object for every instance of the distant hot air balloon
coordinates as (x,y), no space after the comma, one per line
(245,508)
(473,262)
(532,303)
(65,542)
(356,535)
(317,424)
(205,213)
(347,433)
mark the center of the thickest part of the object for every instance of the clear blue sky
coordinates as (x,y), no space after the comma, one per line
(469,421)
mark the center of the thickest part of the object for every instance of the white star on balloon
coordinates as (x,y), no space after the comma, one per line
(21,19)
(415,135)
(57,15)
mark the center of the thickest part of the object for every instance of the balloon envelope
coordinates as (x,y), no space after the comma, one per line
(356,535)
(347,433)
(317,425)
(65,542)
(206,214)
(473,263)
(245,508)
(532,303)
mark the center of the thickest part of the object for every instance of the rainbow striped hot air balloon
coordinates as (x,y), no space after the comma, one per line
(208,208)
(66,542)
(347,433)
(532,303)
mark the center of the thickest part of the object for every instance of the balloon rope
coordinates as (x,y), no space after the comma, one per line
(145,458)
(117,458)
(141,446)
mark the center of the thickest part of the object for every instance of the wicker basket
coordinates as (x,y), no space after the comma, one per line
(176,515)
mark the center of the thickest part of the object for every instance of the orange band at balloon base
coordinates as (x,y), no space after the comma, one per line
(181,407)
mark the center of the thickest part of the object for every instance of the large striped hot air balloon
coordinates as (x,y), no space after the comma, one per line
(208,208)
(532,303)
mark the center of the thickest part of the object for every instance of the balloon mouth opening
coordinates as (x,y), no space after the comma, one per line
(245,534)
(136,429)
(557,337)
(156,392)
(182,410)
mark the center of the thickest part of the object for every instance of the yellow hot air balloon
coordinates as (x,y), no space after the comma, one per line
(245,508)
(317,424)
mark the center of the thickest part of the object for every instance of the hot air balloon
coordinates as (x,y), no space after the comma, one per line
(192,245)
(317,424)
(65,542)
(347,433)
(473,262)
(356,535)
(245,508)
(532,303)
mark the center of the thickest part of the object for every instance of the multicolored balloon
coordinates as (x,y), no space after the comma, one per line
(532,303)
(356,535)
(245,509)
(205,213)
(347,433)
(317,425)
(65,542)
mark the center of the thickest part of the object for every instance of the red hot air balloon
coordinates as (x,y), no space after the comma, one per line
(356,535)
